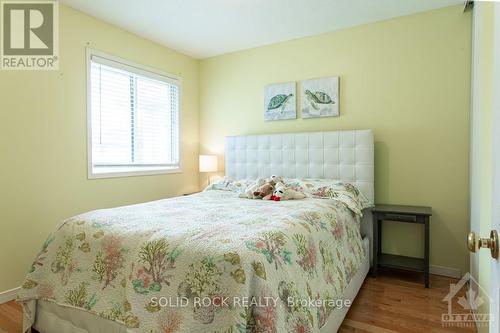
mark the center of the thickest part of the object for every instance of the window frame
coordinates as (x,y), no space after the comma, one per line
(149,72)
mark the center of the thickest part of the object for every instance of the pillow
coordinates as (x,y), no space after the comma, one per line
(229,184)
(331,189)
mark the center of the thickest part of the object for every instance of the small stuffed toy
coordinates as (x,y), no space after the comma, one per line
(252,188)
(291,194)
(281,192)
(265,191)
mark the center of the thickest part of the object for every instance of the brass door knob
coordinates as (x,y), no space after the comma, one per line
(475,243)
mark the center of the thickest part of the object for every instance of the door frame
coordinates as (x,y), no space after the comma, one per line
(495,203)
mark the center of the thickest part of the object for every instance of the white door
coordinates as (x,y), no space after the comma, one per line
(495,223)
(485,141)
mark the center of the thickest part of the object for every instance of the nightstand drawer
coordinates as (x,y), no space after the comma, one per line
(399,217)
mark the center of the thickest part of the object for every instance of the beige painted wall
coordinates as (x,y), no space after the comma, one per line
(408,79)
(43,159)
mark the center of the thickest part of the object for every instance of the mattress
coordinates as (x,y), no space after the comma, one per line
(272,257)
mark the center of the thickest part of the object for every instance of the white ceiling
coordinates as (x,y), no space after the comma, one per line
(205,28)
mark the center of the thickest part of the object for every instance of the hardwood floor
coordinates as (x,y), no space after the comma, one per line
(395,301)
(10,317)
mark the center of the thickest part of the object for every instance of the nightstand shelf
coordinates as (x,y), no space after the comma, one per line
(395,261)
(406,214)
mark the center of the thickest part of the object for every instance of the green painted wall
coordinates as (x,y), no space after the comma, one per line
(43,163)
(407,78)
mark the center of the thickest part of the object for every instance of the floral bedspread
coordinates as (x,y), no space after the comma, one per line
(209,262)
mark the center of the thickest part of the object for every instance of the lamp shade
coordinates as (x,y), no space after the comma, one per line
(208,163)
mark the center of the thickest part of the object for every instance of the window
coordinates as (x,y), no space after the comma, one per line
(134,119)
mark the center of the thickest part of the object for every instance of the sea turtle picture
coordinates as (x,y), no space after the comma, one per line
(318,97)
(279,101)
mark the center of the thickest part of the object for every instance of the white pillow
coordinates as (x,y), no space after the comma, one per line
(229,184)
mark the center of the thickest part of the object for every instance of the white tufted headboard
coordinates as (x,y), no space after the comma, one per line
(340,155)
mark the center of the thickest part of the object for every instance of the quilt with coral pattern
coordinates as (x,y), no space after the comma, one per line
(208,262)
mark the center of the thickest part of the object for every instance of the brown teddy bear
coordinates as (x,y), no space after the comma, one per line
(266,190)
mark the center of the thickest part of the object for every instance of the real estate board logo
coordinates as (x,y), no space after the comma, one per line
(469,315)
(29,36)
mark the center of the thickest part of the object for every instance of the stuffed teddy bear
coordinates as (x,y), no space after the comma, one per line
(248,194)
(262,188)
(281,192)
(264,191)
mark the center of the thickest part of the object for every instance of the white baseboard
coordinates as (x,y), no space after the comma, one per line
(445,271)
(8,295)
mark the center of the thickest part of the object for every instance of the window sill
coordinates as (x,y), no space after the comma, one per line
(114,172)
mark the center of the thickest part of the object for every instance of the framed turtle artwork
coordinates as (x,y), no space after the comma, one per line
(280,101)
(320,97)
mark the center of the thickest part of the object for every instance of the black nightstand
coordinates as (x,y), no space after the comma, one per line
(407,214)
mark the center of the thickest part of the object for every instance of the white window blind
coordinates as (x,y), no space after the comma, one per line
(134,119)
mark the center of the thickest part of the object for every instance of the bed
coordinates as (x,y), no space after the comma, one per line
(213,262)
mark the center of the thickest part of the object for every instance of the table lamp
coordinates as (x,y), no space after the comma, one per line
(208,163)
